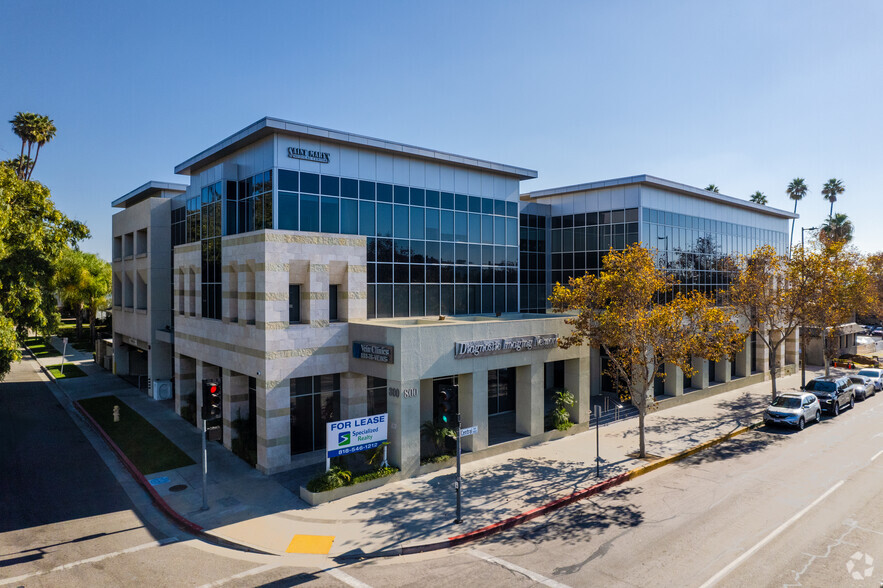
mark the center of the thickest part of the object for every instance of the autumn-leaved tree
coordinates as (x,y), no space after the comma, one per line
(874,263)
(618,311)
(844,286)
(767,293)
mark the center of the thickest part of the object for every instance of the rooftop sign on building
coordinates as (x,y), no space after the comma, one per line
(464,349)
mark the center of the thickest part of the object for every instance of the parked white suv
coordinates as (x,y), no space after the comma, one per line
(793,408)
(876,376)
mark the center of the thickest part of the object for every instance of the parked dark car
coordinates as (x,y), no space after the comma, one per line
(864,386)
(833,392)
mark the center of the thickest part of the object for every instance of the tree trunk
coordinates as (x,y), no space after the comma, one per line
(642,448)
(80,321)
(774,356)
(92,326)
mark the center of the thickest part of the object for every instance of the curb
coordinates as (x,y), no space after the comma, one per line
(176,518)
(160,503)
(555,504)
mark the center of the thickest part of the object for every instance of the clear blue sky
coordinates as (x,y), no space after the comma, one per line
(746,95)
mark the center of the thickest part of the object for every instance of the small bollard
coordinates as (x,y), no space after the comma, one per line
(116,413)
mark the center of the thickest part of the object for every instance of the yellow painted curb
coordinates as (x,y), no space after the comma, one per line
(640,471)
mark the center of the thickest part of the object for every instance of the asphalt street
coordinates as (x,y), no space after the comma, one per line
(772,507)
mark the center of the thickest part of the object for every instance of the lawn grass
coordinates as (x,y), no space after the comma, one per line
(70,371)
(146,447)
(40,348)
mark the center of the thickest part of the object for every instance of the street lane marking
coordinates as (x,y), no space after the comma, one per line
(532,575)
(721,574)
(879,453)
(346,578)
(239,576)
(90,560)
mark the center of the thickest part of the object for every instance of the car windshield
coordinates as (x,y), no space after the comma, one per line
(787,402)
(817,386)
(870,373)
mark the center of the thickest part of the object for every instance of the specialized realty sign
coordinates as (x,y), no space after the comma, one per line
(352,435)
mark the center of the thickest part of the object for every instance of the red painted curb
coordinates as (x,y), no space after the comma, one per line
(563,501)
(139,477)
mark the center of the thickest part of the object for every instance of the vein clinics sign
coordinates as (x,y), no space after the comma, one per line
(373,352)
(352,435)
(309,154)
(497,346)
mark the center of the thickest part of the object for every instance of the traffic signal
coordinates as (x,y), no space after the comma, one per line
(448,405)
(211,399)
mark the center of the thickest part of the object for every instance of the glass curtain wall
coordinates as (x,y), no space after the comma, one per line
(428,252)
(580,241)
(698,251)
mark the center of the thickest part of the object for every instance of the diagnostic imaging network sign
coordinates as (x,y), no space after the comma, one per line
(352,435)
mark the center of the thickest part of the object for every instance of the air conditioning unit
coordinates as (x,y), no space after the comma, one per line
(162,389)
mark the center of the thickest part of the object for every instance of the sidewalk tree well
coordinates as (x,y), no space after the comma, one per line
(33,235)
(770,294)
(619,311)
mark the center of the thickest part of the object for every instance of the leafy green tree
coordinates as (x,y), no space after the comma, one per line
(796,190)
(84,281)
(33,236)
(837,228)
(759,197)
(618,311)
(712,188)
(831,190)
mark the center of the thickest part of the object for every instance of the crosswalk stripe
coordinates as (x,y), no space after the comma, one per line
(525,572)
(97,558)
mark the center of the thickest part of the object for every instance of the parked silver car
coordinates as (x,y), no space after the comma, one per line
(876,376)
(794,409)
(864,387)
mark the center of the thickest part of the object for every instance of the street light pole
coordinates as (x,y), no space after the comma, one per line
(803,230)
(802,338)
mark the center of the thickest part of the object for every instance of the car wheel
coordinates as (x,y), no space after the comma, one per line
(836,408)
(852,402)
(818,416)
(800,424)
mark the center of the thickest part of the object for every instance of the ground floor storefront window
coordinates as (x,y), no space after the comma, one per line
(315,401)
(500,391)
(376,396)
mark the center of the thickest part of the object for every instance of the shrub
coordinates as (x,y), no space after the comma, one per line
(381,473)
(560,416)
(334,478)
(337,478)
(436,433)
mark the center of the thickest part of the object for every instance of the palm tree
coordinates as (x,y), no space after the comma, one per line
(23,125)
(20,165)
(796,190)
(712,188)
(831,190)
(837,228)
(44,131)
(759,197)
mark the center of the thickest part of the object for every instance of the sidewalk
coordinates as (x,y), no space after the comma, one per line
(258,511)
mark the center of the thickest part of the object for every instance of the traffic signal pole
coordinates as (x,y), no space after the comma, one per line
(458,520)
(204,464)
